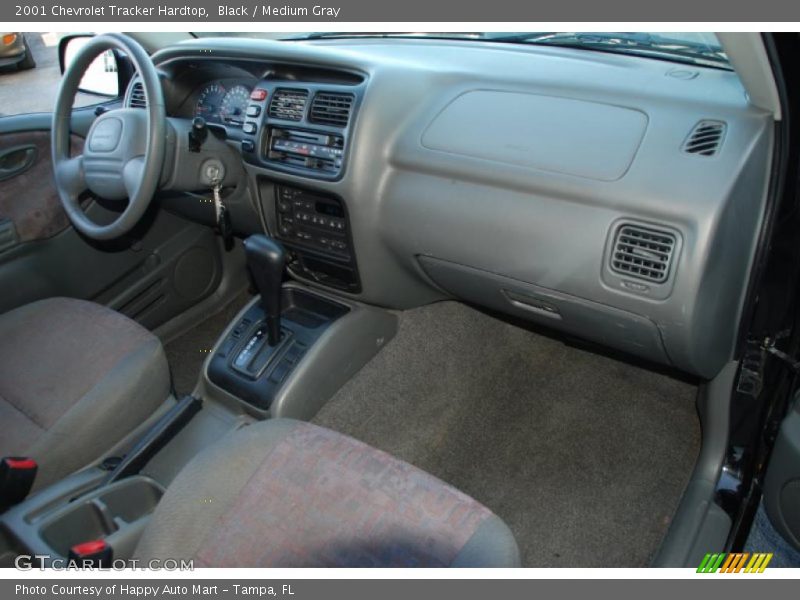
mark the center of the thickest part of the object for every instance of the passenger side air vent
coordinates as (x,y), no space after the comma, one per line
(330,108)
(643,253)
(288,104)
(137,99)
(705,139)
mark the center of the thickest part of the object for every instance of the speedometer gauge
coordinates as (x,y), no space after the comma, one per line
(209,103)
(234,105)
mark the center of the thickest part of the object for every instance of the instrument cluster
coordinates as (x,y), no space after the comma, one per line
(223,102)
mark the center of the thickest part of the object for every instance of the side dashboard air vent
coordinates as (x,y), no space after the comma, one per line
(643,253)
(137,98)
(288,104)
(331,108)
(705,139)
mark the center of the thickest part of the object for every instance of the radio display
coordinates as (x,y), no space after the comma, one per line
(332,210)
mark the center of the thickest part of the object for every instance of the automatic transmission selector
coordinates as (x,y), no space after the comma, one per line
(263,347)
(266,259)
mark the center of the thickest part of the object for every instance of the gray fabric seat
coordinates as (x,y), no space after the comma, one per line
(75,378)
(285,493)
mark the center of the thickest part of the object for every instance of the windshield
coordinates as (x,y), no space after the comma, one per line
(686,47)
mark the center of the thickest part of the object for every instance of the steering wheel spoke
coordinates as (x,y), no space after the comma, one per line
(70,176)
(132,175)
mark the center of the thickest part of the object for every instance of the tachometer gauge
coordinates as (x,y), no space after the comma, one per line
(209,103)
(234,105)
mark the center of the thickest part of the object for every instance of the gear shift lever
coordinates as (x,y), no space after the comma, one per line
(266,259)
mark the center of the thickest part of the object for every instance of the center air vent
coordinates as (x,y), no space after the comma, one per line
(288,104)
(705,139)
(330,108)
(643,253)
(137,98)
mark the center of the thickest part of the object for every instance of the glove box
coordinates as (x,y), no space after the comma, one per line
(598,323)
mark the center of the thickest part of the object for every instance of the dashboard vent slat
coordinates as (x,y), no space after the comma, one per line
(331,108)
(137,98)
(288,104)
(643,253)
(705,138)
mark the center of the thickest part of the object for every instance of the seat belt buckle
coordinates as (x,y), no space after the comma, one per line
(17,474)
(95,554)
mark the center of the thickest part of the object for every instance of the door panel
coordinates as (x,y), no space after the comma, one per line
(28,198)
(782,483)
(82,119)
(172,265)
(164,266)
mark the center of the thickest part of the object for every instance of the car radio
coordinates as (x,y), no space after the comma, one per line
(316,230)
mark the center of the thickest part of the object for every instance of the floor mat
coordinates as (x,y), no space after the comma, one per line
(186,353)
(585,457)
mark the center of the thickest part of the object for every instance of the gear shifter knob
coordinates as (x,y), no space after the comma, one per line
(266,259)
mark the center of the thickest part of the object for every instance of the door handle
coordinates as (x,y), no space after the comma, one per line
(15,161)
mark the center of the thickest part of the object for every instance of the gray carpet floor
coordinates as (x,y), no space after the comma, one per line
(585,457)
(186,353)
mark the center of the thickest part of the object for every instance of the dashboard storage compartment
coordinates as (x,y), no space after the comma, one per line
(582,318)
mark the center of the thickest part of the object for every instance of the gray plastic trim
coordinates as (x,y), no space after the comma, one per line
(605,325)
(208,426)
(564,135)
(233,282)
(699,525)
(747,55)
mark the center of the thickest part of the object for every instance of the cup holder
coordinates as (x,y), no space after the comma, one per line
(110,512)
(129,503)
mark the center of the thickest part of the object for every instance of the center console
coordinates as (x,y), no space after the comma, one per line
(315,228)
(303,129)
(291,348)
(247,366)
(81,508)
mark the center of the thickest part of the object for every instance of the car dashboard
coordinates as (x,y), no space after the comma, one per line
(613,198)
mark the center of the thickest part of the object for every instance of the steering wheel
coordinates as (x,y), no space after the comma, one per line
(123,155)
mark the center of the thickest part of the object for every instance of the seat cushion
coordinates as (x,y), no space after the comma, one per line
(75,378)
(285,493)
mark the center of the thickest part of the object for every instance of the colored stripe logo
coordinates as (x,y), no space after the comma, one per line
(735,562)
